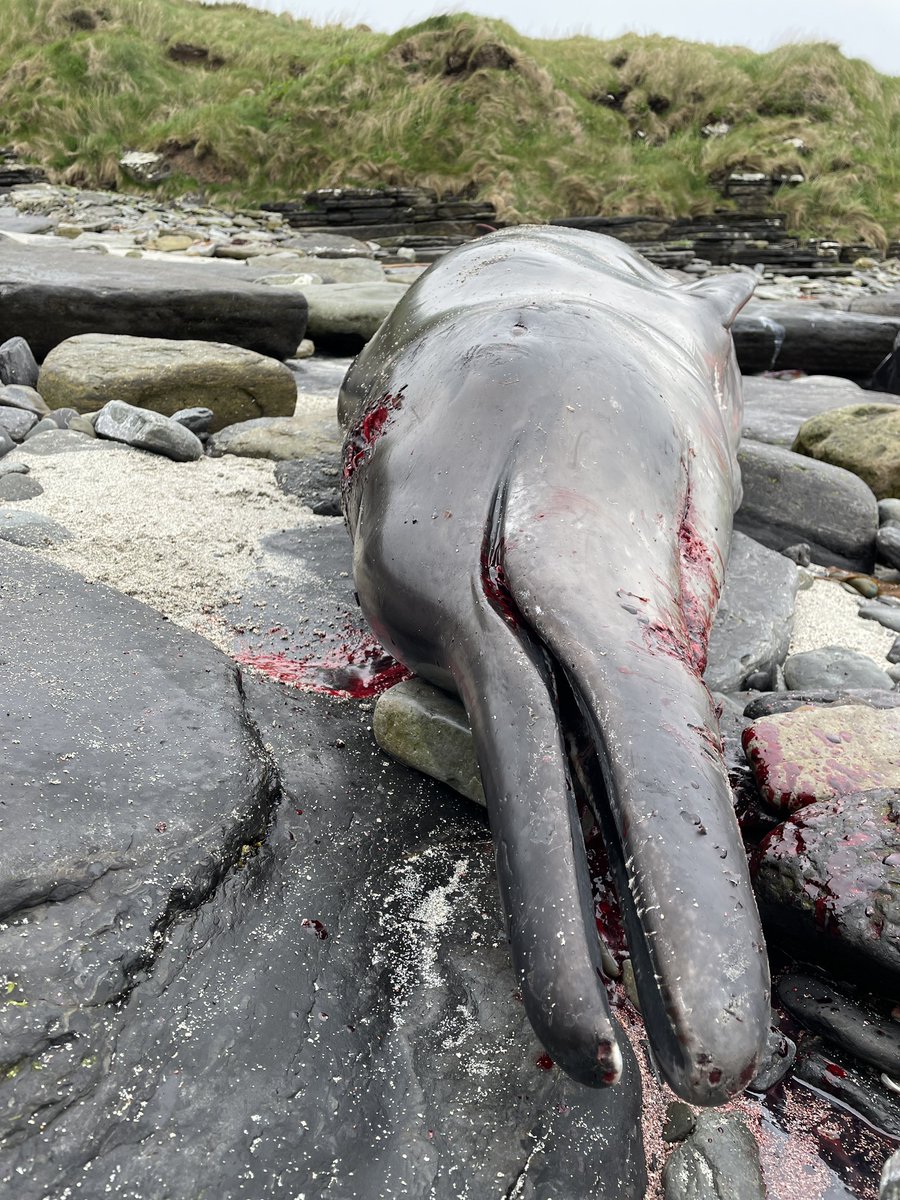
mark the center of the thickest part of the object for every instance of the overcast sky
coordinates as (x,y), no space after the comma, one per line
(864,28)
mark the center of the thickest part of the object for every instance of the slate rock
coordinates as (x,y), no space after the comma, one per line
(719,1161)
(48,294)
(30,529)
(889,1183)
(780,702)
(45,425)
(328,245)
(790,498)
(346,315)
(852,1085)
(809,338)
(427,729)
(827,880)
(17,363)
(893,655)
(308,435)
(10,466)
(16,395)
(814,754)
(17,422)
(19,487)
(164,375)
(832,667)
(198,420)
(82,425)
(882,613)
(316,482)
(680,1122)
(6,442)
(889,510)
(863,438)
(853,1026)
(777,1059)
(883,304)
(62,416)
(753,623)
(887,544)
(147,431)
(340,1005)
(774,409)
(333,270)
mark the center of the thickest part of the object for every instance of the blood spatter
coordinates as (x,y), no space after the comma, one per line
(352,665)
(316,926)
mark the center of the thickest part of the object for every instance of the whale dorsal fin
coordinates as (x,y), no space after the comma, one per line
(727,293)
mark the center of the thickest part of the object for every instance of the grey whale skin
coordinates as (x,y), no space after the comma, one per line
(539,477)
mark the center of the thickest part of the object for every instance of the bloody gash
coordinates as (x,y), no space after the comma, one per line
(539,476)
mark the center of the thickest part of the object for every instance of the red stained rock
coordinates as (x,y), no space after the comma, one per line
(814,754)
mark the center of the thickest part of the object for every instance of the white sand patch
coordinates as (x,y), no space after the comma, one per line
(182,537)
(826,615)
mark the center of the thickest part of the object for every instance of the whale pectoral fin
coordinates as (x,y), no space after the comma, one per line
(727,293)
(541,865)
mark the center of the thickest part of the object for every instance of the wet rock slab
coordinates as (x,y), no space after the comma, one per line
(814,754)
(811,338)
(828,881)
(338,1013)
(825,1009)
(774,409)
(719,1161)
(50,294)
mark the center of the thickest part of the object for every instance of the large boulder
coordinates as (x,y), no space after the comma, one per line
(754,620)
(48,294)
(774,409)
(345,315)
(310,436)
(805,337)
(790,498)
(165,375)
(862,438)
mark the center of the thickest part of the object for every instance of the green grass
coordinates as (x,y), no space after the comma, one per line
(542,128)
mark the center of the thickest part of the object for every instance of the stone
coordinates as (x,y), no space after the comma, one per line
(426,728)
(147,431)
(814,754)
(719,1161)
(17,363)
(893,655)
(774,409)
(813,339)
(328,245)
(48,295)
(316,482)
(827,880)
(169,243)
(887,544)
(17,422)
(19,487)
(781,702)
(680,1122)
(348,270)
(777,1060)
(304,436)
(851,1025)
(30,529)
(8,467)
(863,438)
(853,1086)
(164,375)
(306,349)
(82,425)
(884,614)
(45,425)
(345,315)
(889,510)
(331,960)
(6,442)
(752,628)
(16,395)
(889,1183)
(198,420)
(883,304)
(789,498)
(62,416)
(832,667)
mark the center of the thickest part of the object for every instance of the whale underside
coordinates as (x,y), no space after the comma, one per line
(539,477)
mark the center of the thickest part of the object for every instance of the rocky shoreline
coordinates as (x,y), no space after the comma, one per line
(238,943)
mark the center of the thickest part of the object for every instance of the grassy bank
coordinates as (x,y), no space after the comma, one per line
(251,106)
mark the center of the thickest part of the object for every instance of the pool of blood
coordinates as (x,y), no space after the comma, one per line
(348,663)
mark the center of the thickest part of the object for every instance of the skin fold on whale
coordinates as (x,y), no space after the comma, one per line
(539,476)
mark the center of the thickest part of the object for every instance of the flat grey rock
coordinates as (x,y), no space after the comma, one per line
(851,1025)
(18,487)
(197,419)
(853,1085)
(883,304)
(329,245)
(810,338)
(884,614)
(17,421)
(889,510)
(30,529)
(774,409)
(887,544)
(755,617)
(790,498)
(6,443)
(62,441)
(17,395)
(147,431)
(833,667)
(48,295)
(344,315)
(17,364)
(719,1161)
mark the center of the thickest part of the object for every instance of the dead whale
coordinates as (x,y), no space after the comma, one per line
(539,476)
